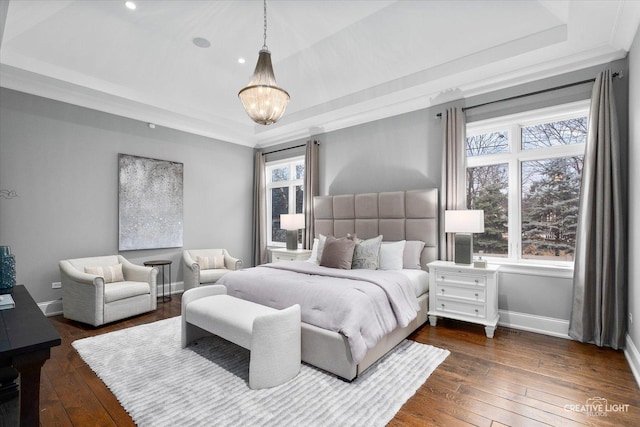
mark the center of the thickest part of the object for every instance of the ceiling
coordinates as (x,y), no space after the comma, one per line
(342,62)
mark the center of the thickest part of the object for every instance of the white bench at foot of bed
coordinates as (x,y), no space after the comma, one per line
(272,336)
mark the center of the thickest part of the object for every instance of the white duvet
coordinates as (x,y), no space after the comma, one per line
(363,305)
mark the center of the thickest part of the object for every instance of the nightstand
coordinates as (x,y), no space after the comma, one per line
(464,292)
(282,254)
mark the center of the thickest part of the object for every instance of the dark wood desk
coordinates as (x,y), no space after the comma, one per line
(26,338)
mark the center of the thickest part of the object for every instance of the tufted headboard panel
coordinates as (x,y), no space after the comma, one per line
(397,215)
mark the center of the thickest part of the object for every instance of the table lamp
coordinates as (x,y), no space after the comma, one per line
(292,223)
(464,223)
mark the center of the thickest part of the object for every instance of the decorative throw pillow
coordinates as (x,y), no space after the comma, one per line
(367,253)
(412,252)
(207,263)
(110,273)
(391,255)
(338,253)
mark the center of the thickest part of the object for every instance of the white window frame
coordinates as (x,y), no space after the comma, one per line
(292,162)
(515,156)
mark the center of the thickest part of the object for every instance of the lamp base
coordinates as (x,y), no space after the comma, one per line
(463,249)
(292,240)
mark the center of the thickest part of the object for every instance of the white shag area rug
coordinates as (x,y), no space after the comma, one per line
(160,384)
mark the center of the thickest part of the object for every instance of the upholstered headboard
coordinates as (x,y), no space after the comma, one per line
(397,215)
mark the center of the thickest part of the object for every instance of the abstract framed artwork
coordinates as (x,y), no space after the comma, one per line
(150,200)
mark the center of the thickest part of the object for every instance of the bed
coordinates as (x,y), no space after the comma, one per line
(346,350)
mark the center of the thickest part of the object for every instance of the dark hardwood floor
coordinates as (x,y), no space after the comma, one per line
(516,379)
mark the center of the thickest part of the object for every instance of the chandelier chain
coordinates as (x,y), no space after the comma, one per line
(264,46)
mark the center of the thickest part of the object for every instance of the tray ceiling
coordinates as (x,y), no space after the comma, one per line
(343,62)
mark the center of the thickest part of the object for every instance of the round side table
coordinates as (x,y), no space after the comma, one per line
(161,264)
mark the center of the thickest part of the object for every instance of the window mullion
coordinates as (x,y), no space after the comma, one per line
(292,189)
(514,223)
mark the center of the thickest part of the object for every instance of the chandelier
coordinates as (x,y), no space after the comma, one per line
(262,99)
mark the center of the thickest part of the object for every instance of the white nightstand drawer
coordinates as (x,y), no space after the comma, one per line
(471,293)
(460,307)
(462,279)
(279,255)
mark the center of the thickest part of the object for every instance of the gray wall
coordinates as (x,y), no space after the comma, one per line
(405,152)
(634,195)
(62,162)
(398,153)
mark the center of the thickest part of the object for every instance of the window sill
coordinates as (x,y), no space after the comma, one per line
(530,269)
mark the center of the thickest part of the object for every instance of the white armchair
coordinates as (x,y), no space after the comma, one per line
(97,299)
(195,275)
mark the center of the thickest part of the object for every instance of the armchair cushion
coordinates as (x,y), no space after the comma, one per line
(122,290)
(110,273)
(212,275)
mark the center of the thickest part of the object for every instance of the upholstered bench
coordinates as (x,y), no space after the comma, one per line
(272,336)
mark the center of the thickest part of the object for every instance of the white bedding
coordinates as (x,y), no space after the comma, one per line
(419,280)
(363,305)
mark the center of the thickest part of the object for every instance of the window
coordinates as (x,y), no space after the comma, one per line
(285,189)
(525,172)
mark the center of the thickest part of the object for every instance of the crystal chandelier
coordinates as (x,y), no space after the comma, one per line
(263,100)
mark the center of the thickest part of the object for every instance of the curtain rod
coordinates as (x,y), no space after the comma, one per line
(289,148)
(538,92)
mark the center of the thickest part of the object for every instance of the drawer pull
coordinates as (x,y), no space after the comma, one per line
(476,280)
(476,310)
(443,291)
(442,305)
(476,294)
(442,277)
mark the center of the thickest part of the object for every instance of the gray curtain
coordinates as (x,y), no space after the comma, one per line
(452,193)
(599,285)
(259,211)
(311,189)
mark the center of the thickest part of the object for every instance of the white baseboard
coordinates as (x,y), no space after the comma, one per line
(176,288)
(54,308)
(532,323)
(51,308)
(633,357)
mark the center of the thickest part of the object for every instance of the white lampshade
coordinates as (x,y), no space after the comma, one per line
(464,221)
(291,221)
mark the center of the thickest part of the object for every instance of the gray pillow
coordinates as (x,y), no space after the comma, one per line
(338,253)
(412,252)
(366,253)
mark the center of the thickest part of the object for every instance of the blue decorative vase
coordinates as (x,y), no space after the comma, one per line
(7,270)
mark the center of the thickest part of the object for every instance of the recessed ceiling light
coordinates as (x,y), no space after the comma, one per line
(130,5)
(200,42)
(241,61)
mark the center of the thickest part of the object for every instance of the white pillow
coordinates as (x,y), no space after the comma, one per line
(317,248)
(391,255)
(313,259)
(412,252)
